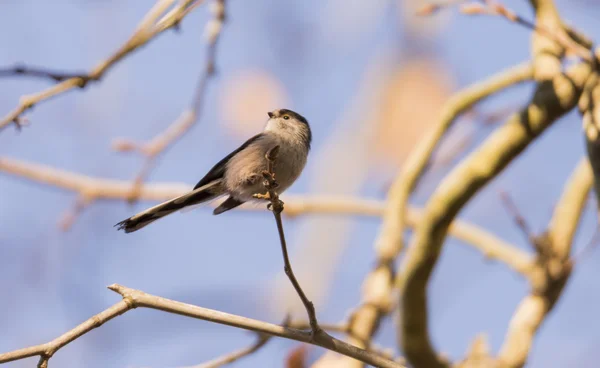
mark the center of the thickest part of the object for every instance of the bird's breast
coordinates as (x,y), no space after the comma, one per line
(243,177)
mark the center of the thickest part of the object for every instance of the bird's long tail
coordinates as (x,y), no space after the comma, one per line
(202,194)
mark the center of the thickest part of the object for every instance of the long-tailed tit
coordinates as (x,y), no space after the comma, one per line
(239,174)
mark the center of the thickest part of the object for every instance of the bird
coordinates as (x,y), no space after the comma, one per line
(239,174)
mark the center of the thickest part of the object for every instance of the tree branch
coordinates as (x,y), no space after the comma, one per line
(47,350)
(262,341)
(156,21)
(137,299)
(391,235)
(379,283)
(551,100)
(556,33)
(188,118)
(107,189)
(589,106)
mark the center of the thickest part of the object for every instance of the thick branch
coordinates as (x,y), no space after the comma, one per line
(569,209)
(391,236)
(379,283)
(547,53)
(551,100)
(137,299)
(589,105)
(154,23)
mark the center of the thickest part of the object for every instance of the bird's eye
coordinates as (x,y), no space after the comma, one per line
(286,117)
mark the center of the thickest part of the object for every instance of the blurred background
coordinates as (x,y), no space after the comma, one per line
(369,76)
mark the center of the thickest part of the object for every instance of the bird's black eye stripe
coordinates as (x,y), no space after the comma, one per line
(286,117)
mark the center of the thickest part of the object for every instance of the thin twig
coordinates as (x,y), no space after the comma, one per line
(68,218)
(587,249)
(234,356)
(47,350)
(495,8)
(154,23)
(276,206)
(560,36)
(137,299)
(188,118)
(433,7)
(27,71)
(518,218)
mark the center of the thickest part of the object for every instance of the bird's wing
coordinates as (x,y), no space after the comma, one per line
(219,169)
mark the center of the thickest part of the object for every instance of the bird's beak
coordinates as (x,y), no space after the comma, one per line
(271,115)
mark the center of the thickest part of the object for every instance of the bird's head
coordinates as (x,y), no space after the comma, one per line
(289,124)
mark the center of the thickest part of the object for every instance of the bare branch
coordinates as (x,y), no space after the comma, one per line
(558,34)
(137,299)
(47,350)
(589,106)
(378,285)
(391,236)
(106,189)
(188,118)
(548,23)
(550,101)
(154,23)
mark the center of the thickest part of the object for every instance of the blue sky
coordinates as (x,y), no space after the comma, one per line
(51,280)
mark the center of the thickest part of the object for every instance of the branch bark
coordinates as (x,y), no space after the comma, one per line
(589,106)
